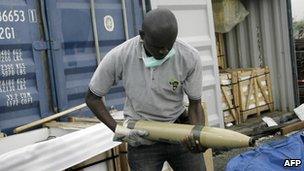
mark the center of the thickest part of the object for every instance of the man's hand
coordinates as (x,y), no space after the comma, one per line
(133,137)
(193,145)
(196,117)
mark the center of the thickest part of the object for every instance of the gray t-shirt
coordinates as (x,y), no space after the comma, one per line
(151,93)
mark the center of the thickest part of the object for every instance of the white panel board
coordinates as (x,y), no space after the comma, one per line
(97,167)
(60,153)
(20,140)
(196,27)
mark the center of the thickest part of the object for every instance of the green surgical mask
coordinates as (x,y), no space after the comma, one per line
(151,62)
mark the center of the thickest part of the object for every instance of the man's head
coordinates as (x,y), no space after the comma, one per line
(159,32)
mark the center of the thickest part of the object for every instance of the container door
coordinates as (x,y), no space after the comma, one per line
(73,48)
(196,27)
(23,88)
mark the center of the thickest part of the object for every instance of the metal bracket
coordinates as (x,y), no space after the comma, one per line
(55,45)
(42,45)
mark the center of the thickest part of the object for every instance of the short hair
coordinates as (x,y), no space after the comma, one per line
(160,24)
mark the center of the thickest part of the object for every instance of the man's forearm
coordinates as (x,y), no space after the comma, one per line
(195,112)
(97,106)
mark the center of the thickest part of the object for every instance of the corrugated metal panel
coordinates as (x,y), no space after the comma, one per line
(195,21)
(299,46)
(74,56)
(23,87)
(263,40)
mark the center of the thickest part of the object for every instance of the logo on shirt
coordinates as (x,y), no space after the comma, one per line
(174,84)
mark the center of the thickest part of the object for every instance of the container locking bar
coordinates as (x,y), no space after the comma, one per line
(42,45)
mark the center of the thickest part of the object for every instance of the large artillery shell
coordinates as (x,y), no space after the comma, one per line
(208,136)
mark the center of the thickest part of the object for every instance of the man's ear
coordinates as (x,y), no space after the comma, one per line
(142,34)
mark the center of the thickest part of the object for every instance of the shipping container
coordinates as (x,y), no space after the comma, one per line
(24,85)
(48,53)
(74,56)
(56,43)
(196,27)
(264,39)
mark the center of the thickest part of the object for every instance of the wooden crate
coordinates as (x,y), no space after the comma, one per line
(230,102)
(123,155)
(111,157)
(249,92)
(208,157)
(221,53)
(255,92)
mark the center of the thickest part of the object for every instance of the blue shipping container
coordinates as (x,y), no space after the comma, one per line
(23,78)
(48,55)
(74,56)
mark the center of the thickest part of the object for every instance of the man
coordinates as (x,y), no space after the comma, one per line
(156,70)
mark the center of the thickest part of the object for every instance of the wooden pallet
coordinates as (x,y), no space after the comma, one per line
(247,92)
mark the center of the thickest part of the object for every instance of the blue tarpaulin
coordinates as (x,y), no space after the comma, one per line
(272,156)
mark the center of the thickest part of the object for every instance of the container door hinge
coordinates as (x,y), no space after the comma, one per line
(42,45)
